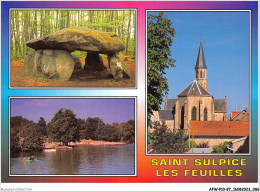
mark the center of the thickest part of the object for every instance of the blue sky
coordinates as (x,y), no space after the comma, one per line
(110,110)
(225,38)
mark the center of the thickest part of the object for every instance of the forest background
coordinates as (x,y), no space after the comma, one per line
(31,24)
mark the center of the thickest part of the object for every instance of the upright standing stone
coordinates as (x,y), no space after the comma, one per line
(48,63)
(94,61)
(118,67)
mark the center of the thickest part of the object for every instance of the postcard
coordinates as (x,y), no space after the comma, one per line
(129,96)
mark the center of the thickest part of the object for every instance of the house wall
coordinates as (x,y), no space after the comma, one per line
(219,117)
(170,124)
(155,116)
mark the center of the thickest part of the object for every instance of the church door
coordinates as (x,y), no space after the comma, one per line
(194,114)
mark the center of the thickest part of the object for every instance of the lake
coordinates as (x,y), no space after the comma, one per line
(81,160)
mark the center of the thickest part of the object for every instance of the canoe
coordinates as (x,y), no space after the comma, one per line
(28,159)
(49,150)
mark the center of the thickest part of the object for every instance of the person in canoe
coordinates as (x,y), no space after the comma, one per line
(32,158)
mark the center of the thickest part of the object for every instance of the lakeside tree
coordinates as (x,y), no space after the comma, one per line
(14,140)
(42,127)
(64,127)
(162,140)
(33,139)
(24,135)
(127,131)
(93,127)
(159,40)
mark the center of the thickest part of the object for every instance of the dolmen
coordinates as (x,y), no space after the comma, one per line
(52,56)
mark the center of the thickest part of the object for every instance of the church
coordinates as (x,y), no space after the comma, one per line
(194,102)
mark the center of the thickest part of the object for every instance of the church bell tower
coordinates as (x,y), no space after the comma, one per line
(201,68)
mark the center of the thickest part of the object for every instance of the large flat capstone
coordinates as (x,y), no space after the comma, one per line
(78,38)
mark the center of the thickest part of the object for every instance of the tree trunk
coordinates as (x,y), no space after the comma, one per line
(128,34)
(61,20)
(68,18)
(17,43)
(35,24)
(26,31)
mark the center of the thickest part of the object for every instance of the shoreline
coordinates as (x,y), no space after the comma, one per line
(83,142)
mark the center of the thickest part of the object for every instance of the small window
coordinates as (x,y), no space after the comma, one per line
(200,74)
(205,114)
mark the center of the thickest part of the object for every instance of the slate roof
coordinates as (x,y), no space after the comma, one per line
(194,89)
(220,105)
(170,103)
(165,115)
(200,64)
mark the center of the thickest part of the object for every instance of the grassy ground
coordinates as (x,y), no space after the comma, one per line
(79,78)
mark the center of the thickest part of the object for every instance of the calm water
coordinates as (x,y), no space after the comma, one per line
(81,160)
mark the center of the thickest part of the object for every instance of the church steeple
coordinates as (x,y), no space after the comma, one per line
(201,68)
(200,64)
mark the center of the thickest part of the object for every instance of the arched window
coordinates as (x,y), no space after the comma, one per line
(205,114)
(182,117)
(204,74)
(200,74)
(194,114)
(197,74)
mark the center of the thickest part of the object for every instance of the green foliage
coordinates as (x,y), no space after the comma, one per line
(79,54)
(24,134)
(33,139)
(96,129)
(128,130)
(17,121)
(93,126)
(26,25)
(159,40)
(42,127)
(221,148)
(39,79)
(161,140)
(64,127)
(14,140)
(203,145)
(192,144)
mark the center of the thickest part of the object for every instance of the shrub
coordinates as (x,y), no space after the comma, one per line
(204,145)
(186,144)
(161,140)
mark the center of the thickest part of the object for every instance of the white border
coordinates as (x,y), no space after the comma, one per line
(250,55)
(79,9)
(57,97)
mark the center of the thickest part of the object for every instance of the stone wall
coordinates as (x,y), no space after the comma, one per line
(213,141)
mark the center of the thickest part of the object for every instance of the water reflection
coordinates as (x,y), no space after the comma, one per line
(82,160)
